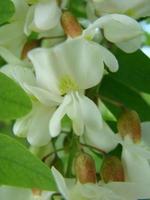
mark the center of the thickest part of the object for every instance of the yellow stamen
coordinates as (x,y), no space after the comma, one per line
(67,84)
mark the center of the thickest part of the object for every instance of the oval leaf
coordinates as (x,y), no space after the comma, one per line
(14,102)
(7,10)
(18,167)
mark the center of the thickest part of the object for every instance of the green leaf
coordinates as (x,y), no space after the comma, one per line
(14,102)
(78,7)
(134,70)
(126,87)
(113,93)
(18,167)
(7,10)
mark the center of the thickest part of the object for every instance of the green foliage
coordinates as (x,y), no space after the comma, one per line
(2,62)
(126,86)
(14,102)
(18,167)
(147,39)
(7,10)
(78,7)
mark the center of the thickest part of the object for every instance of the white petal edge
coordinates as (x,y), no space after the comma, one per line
(130,191)
(146,132)
(109,59)
(55,122)
(74,113)
(60,181)
(50,70)
(20,74)
(14,193)
(44,96)
(46,15)
(134,171)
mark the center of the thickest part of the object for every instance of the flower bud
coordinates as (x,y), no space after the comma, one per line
(70,25)
(85,168)
(129,124)
(112,169)
(29,46)
(36,192)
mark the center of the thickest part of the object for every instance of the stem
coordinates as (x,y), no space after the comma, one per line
(74,146)
(56,195)
(54,152)
(65,132)
(54,37)
(97,149)
(115,103)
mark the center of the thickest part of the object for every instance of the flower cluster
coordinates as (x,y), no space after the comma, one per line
(59,61)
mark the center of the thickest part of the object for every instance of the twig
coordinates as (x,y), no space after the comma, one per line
(90,146)
(115,103)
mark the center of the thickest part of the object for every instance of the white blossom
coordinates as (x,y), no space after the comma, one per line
(14,193)
(136,157)
(135,9)
(42,16)
(101,191)
(65,71)
(119,29)
(34,125)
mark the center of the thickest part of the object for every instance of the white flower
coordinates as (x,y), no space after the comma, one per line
(14,193)
(110,191)
(136,157)
(122,30)
(107,140)
(34,125)
(62,75)
(136,8)
(10,38)
(42,16)
(65,71)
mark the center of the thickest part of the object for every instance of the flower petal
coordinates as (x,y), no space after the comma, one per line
(109,59)
(38,130)
(137,168)
(20,74)
(123,31)
(60,183)
(9,57)
(55,122)
(136,8)
(29,25)
(102,138)
(13,193)
(74,113)
(14,42)
(21,125)
(50,70)
(44,69)
(47,15)
(44,96)
(21,8)
(35,125)
(146,132)
(130,45)
(91,116)
(130,191)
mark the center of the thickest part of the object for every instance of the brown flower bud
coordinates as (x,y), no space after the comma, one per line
(112,169)
(29,46)
(129,124)
(36,192)
(85,168)
(70,24)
